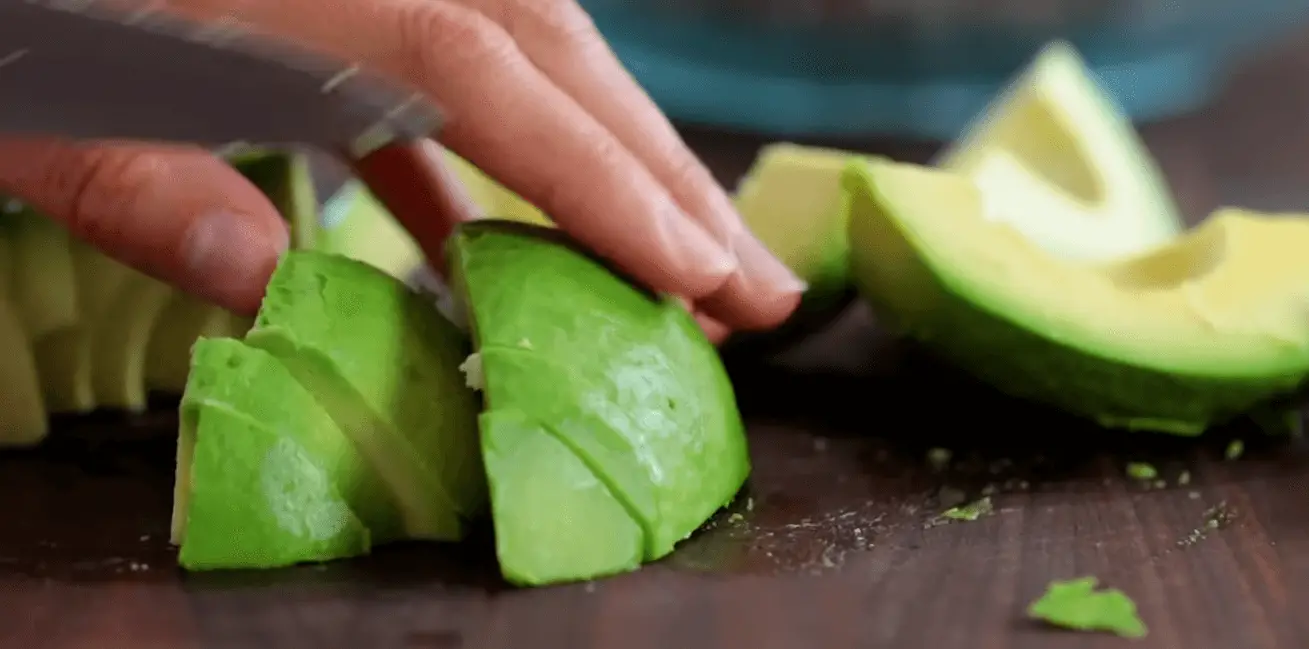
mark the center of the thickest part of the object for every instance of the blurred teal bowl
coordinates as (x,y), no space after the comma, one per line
(920,68)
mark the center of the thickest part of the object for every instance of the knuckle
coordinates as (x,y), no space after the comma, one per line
(437,39)
(563,21)
(96,185)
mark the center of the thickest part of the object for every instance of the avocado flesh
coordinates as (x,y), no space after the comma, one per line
(257,453)
(119,342)
(356,225)
(384,364)
(493,198)
(65,357)
(547,493)
(625,383)
(1058,160)
(42,282)
(22,409)
(1171,341)
(184,320)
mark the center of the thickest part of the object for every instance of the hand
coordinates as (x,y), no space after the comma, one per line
(532,95)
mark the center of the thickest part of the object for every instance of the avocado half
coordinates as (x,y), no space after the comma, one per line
(611,430)
(354,377)
(1174,340)
(1058,159)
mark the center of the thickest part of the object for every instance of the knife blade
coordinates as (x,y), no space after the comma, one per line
(86,69)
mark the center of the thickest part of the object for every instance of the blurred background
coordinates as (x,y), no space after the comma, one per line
(921,68)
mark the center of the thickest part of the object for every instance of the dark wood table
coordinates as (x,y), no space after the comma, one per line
(835,545)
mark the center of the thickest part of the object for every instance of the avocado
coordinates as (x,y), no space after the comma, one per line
(1173,340)
(791,198)
(265,478)
(384,364)
(120,340)
(22,411)
(64,357)
(575,362)
(43,289)
(184,320)
(1059,160)
(356,225)
(493,198)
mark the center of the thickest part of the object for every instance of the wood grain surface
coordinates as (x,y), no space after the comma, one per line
(836,544)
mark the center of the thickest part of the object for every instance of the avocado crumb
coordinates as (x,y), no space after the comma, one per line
(1142,471)
(939,458)
(1184,478)
(472,369)
(1235,449)
(1076,605)
(970,512)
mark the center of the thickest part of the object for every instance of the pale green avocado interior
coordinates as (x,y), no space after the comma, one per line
(1058,159)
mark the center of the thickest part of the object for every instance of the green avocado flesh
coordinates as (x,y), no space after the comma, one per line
(353,371)
(265,477)
(356,225)
(622,388)
(1173,340)
(385,365)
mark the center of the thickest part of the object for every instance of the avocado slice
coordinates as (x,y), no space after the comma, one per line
(624,382)
(22,410)
(120,340)
(43,289)
(791,198)
(265,478)
(1059,160)
(356,225)
(184,320)
(1173,340)
(495,199)
(384,364)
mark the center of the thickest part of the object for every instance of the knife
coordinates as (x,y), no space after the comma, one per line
(87,69)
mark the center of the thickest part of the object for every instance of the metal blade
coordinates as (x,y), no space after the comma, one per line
(83,69)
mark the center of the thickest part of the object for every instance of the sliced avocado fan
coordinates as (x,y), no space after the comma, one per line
(344,353)
(611,430)
(1173,340)
(385,364)
(1059,160)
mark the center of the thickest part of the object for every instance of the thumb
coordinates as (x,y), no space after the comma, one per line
(177,213)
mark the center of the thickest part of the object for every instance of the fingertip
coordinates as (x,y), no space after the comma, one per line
(229,257)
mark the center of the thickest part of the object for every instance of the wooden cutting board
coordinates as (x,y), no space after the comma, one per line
(836,544)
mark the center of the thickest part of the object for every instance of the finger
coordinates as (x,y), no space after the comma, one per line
(418,187)
(510,120)
(179,214)
(715,331)
(560,39)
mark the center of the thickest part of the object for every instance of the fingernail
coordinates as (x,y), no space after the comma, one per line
(763,270)
(696,251)
(230,258)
